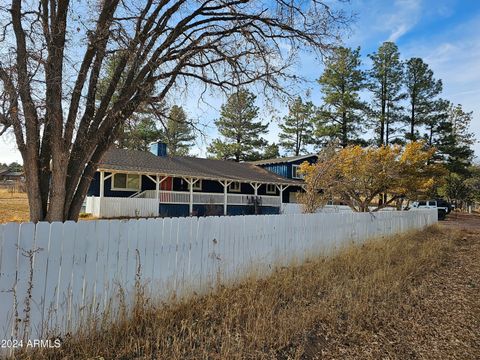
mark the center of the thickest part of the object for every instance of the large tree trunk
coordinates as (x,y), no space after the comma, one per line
(344,130)
(64,124)
(33,188)
(412,122)
(381,140)
(387,125)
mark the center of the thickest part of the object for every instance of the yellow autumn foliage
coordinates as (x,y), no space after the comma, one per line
(359,176)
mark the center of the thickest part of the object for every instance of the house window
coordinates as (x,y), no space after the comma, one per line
(271,189)
(197,185)
(296,172)
(234,187)
(130,182)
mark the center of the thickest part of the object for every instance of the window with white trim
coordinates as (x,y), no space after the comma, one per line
(271,189)
(296,174)
(197,185)
(128,182)
(234,186)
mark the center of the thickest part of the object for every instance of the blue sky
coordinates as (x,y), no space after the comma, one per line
(445,33)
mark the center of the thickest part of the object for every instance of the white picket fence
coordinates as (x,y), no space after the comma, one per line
(121,207)
(295,208)
(54,276)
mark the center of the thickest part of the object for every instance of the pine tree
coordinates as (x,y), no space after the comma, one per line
(272,151)
(385,83)
(241,135)
(297,127)
(422,90)
(15,167)
(141,128)
(341,116)
(178,133)
(137,133)
(436,123)
(455,140)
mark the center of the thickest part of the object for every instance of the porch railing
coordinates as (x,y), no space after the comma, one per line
(183,197)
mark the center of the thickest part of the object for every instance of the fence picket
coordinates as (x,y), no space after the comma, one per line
(53,276)
(42,233)
(100,284)
(8,278)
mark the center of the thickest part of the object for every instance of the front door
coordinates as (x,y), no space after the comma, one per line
(167,184)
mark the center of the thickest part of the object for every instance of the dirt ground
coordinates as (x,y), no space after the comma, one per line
(437,319)
(462,221)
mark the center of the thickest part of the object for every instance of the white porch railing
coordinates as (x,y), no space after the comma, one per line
(120,207)
(145,203)
(183,197)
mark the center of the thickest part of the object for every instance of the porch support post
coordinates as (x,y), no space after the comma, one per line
(102,193)
(157,182)
(280,189)
(190,200)
(255,186)
(102,184)
(190,182)
(225,195)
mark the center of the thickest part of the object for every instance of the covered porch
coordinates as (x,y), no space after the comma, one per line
(228,197)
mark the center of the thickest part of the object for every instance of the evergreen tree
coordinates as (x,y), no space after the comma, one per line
(137,133)
(297,127)
(272,151)
(436,123)
(422,90)
(15,167)
(341,116)
(455,140)
(385,83)
(242,139)
(178,133)
(141,128)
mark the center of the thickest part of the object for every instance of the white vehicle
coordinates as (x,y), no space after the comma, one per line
(442,206)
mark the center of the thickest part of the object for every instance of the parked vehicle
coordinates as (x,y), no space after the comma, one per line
(443,207)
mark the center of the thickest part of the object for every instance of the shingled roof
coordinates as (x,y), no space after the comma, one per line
(148,163)
(282,159)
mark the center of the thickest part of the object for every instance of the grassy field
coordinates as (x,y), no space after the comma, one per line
(13,206)
(409,297)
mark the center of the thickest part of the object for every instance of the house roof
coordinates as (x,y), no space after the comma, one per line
(282,159)
(148,163)
(11,173)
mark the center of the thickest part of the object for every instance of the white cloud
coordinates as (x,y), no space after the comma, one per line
(405,16)
(453,56)
(380,20)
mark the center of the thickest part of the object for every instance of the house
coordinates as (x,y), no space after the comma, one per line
(287,167)
(11,176)
(138,183)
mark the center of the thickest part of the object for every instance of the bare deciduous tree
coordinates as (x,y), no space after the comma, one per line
(53,54)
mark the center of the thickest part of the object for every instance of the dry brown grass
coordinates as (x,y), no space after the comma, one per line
(354,305)
(13,206)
